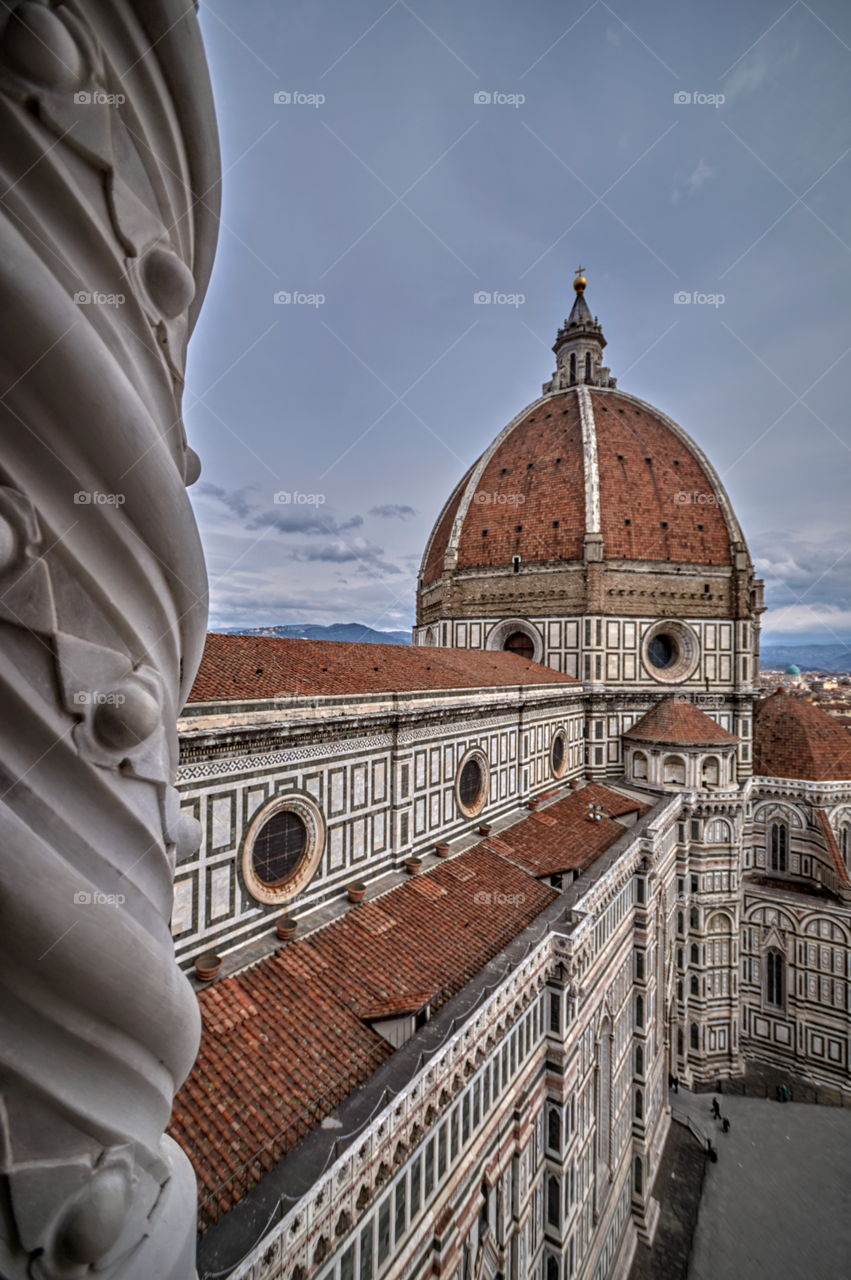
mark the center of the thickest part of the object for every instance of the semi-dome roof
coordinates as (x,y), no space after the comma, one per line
(794,738)
(585,459)
(678,721)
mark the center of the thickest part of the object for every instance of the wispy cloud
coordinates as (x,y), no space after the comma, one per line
(303,520)
(696,180)
(237,501)
(392,511)
(757,69)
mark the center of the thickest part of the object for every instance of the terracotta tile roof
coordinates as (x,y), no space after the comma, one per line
(676,720)
(564,838)
(796,739)
(285,1041)
(240,668)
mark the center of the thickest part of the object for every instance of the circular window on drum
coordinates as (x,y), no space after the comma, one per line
(471,783)
(282,848)
(670,651)
(558,753)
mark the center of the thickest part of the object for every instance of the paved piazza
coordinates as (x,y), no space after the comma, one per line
(778,1202)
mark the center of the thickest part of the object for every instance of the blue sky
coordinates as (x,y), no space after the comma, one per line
(399,197)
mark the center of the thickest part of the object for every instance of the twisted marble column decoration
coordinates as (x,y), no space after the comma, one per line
(109,176)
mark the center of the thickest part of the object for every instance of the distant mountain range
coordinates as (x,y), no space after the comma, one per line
(349,632)
(809,657)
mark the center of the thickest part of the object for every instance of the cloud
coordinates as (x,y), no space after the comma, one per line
(813,575)
(354,551)
(303,520)
(700,176)
(392,511)
(818,625)
(758,67)
(695,182)
(237,501)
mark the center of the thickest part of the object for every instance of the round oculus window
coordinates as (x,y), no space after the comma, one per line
(278,847)
(558,754)
(471,785)
(670,651)
(282,848)
(521,644)
(662,651)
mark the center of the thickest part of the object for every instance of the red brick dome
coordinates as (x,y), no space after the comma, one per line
(579,460)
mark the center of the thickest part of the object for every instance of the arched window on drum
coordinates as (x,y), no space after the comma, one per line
(719,832)
(710,772)
(778,846)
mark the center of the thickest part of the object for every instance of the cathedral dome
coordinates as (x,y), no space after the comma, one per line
(586,472)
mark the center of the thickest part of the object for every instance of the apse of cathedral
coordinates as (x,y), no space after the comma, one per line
(461,910)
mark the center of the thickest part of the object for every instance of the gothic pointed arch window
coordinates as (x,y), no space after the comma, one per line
(573,368)
(638,1176)
(774,979)
(779,843)
(695,989)
(845,844)
(694,1034)
(680,1047)
(588,368)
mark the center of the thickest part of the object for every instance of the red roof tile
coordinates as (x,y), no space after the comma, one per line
(676,720)
(285,1041)
(796,739)
(564,838)
(241,668)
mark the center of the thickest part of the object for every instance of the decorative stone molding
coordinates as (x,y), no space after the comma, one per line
(304,808)
(103,621)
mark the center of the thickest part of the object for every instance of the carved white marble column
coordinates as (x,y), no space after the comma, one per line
(109,172)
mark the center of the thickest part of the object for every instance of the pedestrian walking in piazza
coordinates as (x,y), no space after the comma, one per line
(716,1110)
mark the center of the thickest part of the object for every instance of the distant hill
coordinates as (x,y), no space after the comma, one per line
(809,657)
(349,632)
